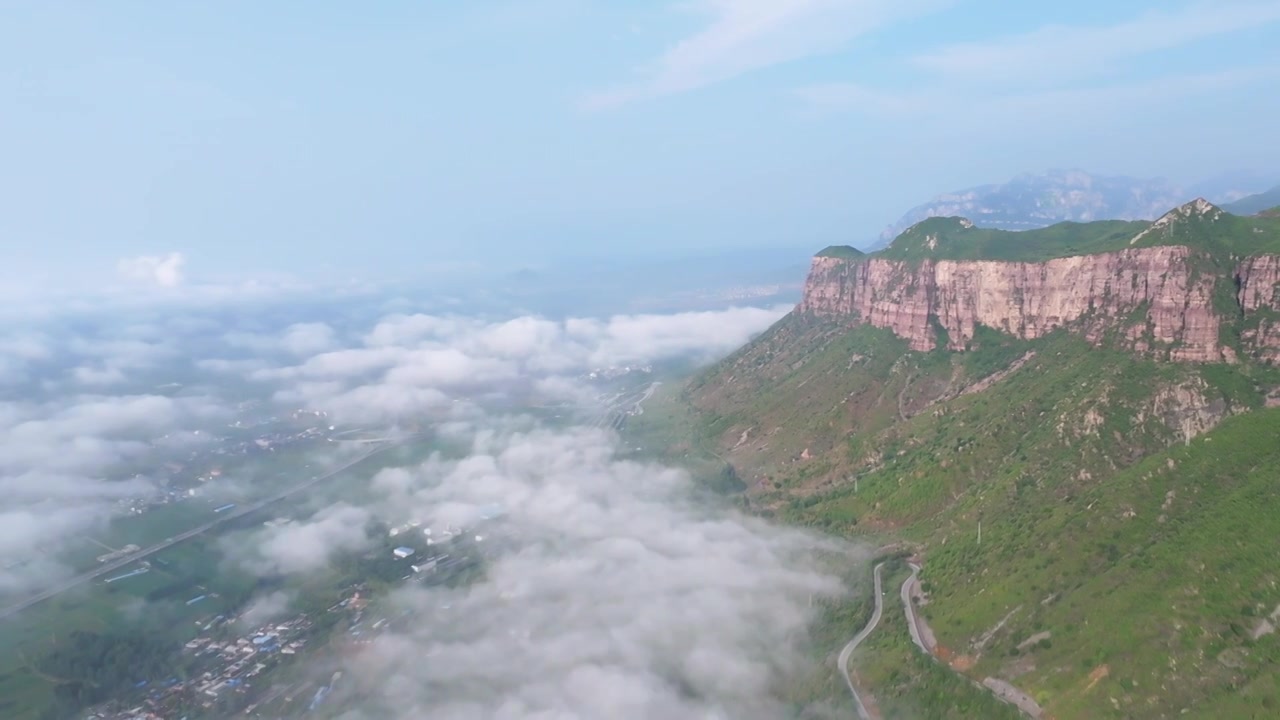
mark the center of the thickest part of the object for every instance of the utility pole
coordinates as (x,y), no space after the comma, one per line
(979,531)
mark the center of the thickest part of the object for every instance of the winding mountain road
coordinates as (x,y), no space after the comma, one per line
(843,661)
(923,638)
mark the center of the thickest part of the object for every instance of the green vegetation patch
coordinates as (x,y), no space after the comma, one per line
(1109,517)
(907,684)
(957,239)
(1216,233)
(844,252)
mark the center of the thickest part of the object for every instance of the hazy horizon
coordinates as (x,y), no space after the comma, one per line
(310,142)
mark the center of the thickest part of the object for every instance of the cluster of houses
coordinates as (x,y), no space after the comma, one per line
(231,664)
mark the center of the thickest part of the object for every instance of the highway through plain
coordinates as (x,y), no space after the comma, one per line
(105,568)
(622,406)
(843,661)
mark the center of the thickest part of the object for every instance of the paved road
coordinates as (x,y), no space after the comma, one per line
(843,661)
(105,568)
(614,415)
(923,638)
(913,625)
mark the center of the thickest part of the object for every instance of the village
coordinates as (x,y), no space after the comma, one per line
(226,665)
(228,668)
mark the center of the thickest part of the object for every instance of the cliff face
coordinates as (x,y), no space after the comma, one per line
(1154,297)
(1259,282)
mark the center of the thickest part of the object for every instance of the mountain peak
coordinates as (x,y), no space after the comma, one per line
(1199,206)
(842,252)
(923,238)
(1196,209)
(1255,204)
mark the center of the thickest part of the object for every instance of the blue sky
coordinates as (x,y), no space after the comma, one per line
(326,138)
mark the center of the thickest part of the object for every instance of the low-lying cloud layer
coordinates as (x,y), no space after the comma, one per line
(304,547)
(608,590)
(96,409)
(412,364)
(61,469)
(614,595)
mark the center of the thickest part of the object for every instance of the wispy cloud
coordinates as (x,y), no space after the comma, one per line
(1058,51)
(1056,69)
(747,35)
(162,270)
(1019,107)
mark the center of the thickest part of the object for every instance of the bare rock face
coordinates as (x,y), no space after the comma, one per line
(1259,282)
(1154,297)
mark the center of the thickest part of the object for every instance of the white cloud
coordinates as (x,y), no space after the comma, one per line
(1057,51)
(607,593)
(223,366)
(644,338)
(307,338)
(1048,78)
(30,346)
(747,35)
(162,270)
(345,363)
(267,607)
(449,367)
(415,364)
(60,467)
(307,546)
(19,352)
(123,353)
(379,403)
(87,375)
(409,329)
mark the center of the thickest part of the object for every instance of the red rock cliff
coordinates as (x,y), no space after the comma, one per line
(1259,281)
(1151,295)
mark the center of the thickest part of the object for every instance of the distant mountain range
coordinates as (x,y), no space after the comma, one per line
(1254,204)
(1036,200)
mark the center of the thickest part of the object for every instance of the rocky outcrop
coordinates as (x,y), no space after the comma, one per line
(1258,279)
(1149,298)
(1259,282)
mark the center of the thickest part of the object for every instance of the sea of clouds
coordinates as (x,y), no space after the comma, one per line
(616,593)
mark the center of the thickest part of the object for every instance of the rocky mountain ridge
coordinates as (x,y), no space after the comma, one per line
(1073,426)
(1254,204)
(1037,200)
(1180,288)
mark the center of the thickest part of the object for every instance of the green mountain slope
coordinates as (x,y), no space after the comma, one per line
(844,252)
(1109,518)
(1199,225)
(1255,204)
(1128,506)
